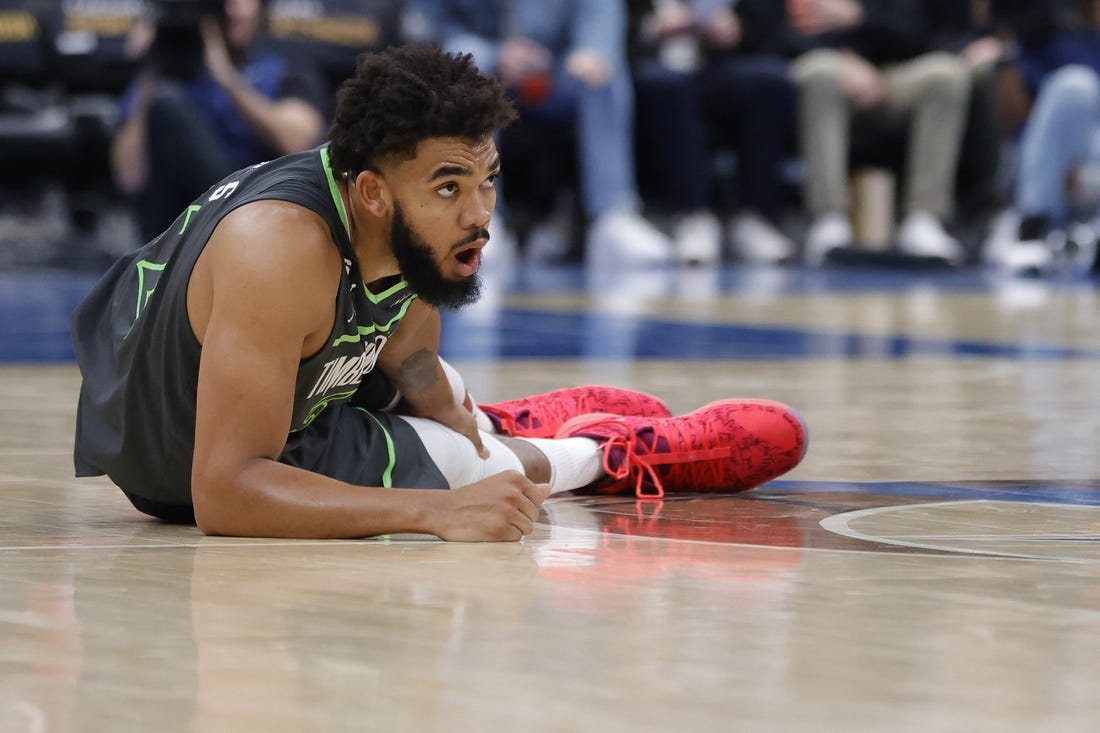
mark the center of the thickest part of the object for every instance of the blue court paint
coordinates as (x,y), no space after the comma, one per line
(518,334)
(1081,492)
(35,306)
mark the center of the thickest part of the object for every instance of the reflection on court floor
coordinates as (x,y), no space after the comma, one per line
(932,565)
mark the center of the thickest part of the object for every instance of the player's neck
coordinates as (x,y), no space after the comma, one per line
(370,238)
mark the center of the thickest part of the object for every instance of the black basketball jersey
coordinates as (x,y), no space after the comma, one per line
(139,357)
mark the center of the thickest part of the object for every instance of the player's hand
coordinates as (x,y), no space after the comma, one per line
(461,420)
(501,508)
(722,28)
(815,17)
(863,83)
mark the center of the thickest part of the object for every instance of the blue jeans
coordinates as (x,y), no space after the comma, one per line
(603,120)
(1062,133)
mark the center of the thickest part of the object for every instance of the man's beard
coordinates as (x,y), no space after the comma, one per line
(422,272)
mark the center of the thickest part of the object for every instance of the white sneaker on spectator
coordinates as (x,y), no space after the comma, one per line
(698,238)
(623,236)
(922,234)
(828,232)
(1003,234)
(1032,257)
(759,241)
(1005,249)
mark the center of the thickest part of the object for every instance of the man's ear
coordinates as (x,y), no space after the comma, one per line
(373,192)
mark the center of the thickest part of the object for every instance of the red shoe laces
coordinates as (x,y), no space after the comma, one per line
(696,467)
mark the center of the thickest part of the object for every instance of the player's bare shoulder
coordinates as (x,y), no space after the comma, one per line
(275,255)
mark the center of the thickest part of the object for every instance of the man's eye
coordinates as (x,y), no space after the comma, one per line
(491,181)
(448,189)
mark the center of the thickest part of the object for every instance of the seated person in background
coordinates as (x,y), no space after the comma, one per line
(982,39)
(564,62)
(703,78)
(1059,150)
(871,64)
(208,101)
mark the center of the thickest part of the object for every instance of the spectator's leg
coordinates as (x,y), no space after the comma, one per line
(605,150)
(750,100)
(936,88)
(605,139)
(673,140)
(823,121)
(980,152)
(672,136)
(1056,138)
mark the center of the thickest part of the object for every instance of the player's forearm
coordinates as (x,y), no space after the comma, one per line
(128,158)
(271,499)
(424,388)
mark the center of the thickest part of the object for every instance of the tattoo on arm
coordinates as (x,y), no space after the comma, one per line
(418,373)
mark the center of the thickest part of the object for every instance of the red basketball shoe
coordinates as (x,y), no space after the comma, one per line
(728,445)
(540,416)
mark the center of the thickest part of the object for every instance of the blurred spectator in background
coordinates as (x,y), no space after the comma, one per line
(208,100)
(983,40)
(565,63)
(869,66)
(1057,176)
(704,79)
(331,34)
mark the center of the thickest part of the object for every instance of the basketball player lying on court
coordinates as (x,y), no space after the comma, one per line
(245,370)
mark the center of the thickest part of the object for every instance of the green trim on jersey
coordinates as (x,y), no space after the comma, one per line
(351,338)
(322,404)
(143,295)
(187,217)
(376,299)
(387,475)
(332,189)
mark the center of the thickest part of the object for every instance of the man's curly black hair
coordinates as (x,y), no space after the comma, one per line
(406,94)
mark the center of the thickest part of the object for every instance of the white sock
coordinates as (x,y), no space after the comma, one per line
(574,462)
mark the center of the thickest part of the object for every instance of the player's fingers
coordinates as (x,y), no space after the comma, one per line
(525,524)
(536,493)
(482,451)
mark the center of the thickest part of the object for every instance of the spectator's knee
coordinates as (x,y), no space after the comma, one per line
(944,74)
(819,68)
(1075,84)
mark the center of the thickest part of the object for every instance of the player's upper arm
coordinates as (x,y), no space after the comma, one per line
(265,285)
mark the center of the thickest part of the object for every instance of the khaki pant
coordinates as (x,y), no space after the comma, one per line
(929,92)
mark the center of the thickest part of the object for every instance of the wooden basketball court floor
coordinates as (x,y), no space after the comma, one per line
(933,565)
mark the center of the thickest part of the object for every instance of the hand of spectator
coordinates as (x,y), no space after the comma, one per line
(216,54)
(671,19)
(983,51)
(503,507)
(139,40)
(863,82)
(722,28)
(521,57)
(814,17)
(589,66)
